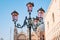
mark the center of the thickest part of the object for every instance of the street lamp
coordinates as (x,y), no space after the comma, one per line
(40,15)
(15,17)
(29,22)
(40,12)
(35,23)
(30,6)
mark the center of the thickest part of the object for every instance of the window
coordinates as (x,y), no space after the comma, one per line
(43,37)
(55,0)
(48,24)
(53,17)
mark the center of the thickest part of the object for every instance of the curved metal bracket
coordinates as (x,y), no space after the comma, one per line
(19,26)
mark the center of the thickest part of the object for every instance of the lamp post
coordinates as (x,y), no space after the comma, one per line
(30,22)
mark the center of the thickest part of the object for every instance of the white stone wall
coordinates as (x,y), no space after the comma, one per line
(52,27)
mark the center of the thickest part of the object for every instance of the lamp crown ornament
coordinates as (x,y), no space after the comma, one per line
(15,12)
(41,9)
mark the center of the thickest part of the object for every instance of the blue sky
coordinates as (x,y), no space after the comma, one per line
(7,6)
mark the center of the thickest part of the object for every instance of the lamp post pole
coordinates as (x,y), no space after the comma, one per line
(29,33)
(29,26)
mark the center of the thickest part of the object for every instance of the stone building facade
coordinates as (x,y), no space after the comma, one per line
(52,21)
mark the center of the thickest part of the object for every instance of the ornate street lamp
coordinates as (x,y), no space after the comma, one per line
(39,19)
(30,22)
(15,17)
(30,6)
(40,12)
(40,15)
(35,23)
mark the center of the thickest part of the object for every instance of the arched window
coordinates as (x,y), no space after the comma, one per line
(53,17)
(48,24)
(55,0)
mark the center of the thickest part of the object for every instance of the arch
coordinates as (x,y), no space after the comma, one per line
(21,36)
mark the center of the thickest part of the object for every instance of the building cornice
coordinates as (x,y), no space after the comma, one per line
(48,8)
